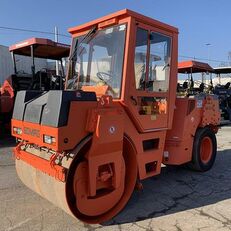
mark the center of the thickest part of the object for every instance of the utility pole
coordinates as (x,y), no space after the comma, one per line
(208,46)
(56,40)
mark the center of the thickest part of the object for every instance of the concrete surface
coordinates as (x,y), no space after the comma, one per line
(178,199)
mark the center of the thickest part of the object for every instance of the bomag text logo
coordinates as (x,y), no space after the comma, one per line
(31,132)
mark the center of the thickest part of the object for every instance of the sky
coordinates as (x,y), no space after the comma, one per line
(200,22)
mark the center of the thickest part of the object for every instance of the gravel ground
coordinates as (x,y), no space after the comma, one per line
(178,199)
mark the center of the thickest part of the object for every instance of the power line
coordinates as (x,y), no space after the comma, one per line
(32,31)
(52,33)
(202,59)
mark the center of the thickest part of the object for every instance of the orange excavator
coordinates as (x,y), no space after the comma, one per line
(117,121)
(36,80)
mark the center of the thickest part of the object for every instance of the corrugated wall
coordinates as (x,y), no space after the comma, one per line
(6,65)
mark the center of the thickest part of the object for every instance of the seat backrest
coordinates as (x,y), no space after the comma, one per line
(21,81)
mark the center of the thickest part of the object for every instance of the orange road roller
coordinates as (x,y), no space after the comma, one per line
(117,121)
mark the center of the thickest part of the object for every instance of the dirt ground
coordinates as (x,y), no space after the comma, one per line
(178,199)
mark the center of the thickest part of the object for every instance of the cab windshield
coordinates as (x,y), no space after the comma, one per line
(97,60)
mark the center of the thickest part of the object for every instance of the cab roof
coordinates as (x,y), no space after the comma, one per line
(114,17)
(43,48)
(222,70)
(192,66)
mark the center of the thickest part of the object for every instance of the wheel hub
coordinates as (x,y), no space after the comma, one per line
(106,196)
(206,149)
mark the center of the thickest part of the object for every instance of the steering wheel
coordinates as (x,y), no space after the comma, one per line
(104,76)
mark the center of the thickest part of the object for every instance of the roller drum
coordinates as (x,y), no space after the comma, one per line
(41,183)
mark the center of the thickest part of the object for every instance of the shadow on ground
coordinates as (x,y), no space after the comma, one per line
(7,140)
(178,189)
(174,190)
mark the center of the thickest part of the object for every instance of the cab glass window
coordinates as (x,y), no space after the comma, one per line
(159,62)
(140,58)
(97,60)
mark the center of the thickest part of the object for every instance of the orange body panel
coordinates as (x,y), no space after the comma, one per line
(48,167)
(190,114)
(66,137)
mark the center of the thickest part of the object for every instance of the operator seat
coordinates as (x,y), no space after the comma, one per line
(41,81)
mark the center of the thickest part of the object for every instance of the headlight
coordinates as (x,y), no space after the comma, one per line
(49,139)
(17,131)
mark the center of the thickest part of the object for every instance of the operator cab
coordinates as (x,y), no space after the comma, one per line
(42,79)
(129,60)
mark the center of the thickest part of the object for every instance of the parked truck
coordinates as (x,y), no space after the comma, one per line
(117,121)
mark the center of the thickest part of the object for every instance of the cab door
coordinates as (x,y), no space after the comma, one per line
(149,92)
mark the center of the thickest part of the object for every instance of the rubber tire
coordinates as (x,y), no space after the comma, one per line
(196,163)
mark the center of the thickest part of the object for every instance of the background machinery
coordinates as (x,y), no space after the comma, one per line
(198,83)
(192,85)
(116,122)
(36,80)
(224,92)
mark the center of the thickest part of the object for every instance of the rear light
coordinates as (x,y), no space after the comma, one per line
(17,131)
(49,139)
